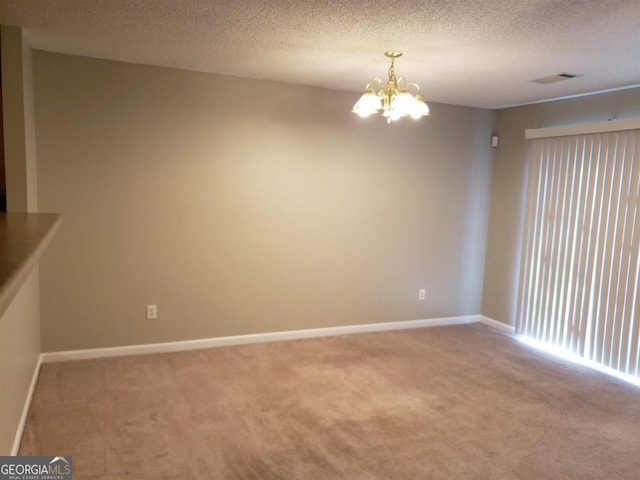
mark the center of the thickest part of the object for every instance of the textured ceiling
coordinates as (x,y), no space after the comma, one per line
(480,53)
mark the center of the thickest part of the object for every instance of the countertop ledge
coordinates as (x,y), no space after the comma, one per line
(24,237)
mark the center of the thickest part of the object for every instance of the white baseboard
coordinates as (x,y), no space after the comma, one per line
(25,410)
(503,327)
(252,338)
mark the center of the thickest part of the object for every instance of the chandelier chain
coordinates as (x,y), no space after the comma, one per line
(392,73)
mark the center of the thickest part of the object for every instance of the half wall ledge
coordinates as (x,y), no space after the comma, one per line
(24,237)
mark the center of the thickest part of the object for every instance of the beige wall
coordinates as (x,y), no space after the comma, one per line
(508,185)
(19,352)
(241,206)
(19,136)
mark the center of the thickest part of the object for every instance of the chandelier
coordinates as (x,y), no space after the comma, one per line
(394,98)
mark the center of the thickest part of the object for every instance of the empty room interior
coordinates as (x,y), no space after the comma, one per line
(321,239)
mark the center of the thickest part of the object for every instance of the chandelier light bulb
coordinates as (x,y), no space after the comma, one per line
(369,103)
(421,108)
(403,102)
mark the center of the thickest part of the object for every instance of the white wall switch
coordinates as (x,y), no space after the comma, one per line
(422,294)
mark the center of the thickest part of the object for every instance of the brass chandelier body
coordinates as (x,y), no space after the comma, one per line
(394,98)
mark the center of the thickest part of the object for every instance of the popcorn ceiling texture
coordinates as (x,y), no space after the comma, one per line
(467,52)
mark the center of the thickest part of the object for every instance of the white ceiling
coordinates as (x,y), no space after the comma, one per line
(481,53)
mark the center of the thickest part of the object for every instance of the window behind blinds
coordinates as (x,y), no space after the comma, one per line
(580,275)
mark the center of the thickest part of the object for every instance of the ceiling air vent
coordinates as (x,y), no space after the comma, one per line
(554,78)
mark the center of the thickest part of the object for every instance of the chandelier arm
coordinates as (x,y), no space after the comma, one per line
(377,82)
(417,87)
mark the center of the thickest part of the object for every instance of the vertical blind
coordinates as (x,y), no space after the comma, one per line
(580,269)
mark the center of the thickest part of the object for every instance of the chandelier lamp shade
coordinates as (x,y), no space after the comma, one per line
(394,99)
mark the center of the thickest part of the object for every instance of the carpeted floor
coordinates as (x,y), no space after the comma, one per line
(462,402)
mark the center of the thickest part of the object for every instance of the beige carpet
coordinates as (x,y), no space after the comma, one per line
(460,402)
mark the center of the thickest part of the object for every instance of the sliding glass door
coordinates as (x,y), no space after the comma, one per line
(580,270)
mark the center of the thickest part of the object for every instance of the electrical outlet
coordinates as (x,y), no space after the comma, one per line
(152,312)
(422,294)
